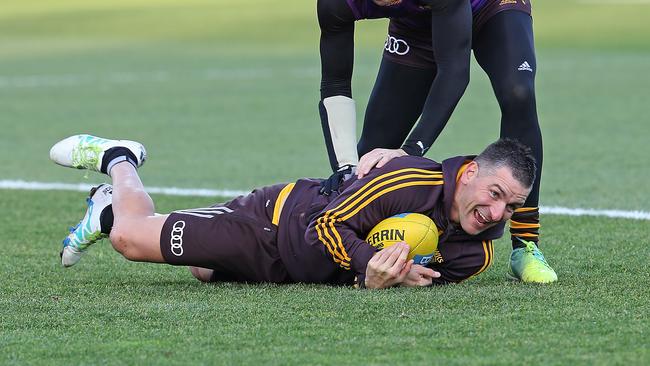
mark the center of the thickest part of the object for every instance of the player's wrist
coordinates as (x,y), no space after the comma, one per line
(413,150)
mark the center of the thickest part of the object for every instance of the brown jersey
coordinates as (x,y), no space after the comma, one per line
(320,238)
(291,233)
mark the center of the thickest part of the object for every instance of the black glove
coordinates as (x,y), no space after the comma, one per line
(333,183)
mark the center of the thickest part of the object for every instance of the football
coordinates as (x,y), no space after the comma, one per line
(417,230)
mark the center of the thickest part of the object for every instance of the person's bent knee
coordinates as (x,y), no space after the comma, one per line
(122,243)
(521,92)
(516,93)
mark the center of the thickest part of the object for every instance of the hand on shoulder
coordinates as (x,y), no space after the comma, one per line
(377,158)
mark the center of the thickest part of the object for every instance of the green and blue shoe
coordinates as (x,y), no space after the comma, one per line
(88,231)
(528,265)
(96,153)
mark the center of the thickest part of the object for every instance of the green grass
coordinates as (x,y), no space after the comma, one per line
(224,95)
(107,310)
(185,77)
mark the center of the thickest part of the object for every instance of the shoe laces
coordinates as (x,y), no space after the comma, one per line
(534,250)
(86,155)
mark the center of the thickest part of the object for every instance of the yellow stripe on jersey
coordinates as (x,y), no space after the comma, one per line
(486,262)
(324,235)
(363,192)
(336,247)
(336,256)
(325,221)
(427,173)
(380,185)
(522,225)
(339,242)
(334,244)
(279,203)
(491,253)
(390,189)
(462,169)
(488,251)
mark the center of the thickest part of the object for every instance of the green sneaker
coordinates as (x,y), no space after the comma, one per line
(88,231)
(87,152)
(528,265)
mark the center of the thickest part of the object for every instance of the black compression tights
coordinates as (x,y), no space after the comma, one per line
(395,104)
(502,45)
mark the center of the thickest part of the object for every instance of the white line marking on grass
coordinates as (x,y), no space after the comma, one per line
(237,74)
(83,187)
(554,210)
(118,77)
(199,192)
(160,76)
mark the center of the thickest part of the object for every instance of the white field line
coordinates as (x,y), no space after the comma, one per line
(82,187)
(555,210)
(160,76)
(198,192)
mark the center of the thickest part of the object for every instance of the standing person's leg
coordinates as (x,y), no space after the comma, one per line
(505,50)
(403,84)
(394,106)
(504,47)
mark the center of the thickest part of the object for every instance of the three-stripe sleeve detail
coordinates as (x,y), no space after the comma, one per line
(351,206)
(488,255)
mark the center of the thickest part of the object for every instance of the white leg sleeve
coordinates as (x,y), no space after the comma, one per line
(342,123)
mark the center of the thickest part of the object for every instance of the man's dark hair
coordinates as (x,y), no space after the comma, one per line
(509,153)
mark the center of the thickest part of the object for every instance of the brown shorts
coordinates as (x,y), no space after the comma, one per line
(409,38)
(496,6)
(237,239)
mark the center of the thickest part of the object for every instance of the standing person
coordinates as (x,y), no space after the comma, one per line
(449,33)
(292,233)
(503,46)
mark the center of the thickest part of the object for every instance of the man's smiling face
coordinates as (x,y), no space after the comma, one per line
(486,198)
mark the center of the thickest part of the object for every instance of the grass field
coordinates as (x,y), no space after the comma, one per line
(224,95)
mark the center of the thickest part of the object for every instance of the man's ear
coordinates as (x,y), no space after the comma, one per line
(471,172)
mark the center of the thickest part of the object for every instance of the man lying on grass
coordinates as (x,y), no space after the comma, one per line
(289,233)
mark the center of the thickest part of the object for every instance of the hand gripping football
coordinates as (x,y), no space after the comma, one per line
(417,230)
